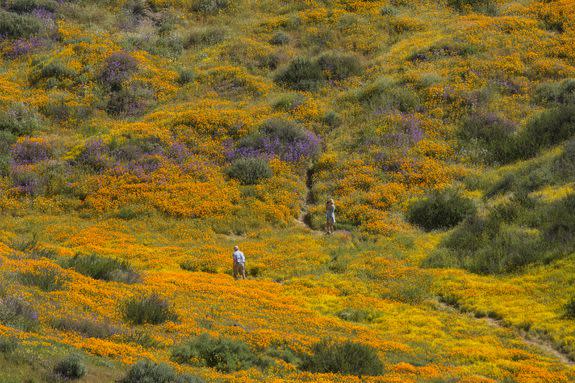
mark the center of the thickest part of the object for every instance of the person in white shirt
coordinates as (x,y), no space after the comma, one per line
(239,263)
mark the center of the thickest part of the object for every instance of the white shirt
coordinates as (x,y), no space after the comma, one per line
(239,257)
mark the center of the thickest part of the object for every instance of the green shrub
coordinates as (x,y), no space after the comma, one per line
(347,358)
(51,70)
(339,66)
(14,25)
(87,327)
(19,120)
(485,6)
(151,309)
(70,368)
(226,355)
(490,132)
(289,102)
(8,344)
(440,210)
(46,280)
(249,171)
(301,74)
(205,36)
(384,95)
(280,38)
(332,119)
(146,371)
(27,6)
(570,308)
(210,6)
(356,315)
(185,76)
(107,269)
(549,128)
(562,93)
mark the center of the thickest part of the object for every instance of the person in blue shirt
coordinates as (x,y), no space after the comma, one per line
(330,216)
(239,263)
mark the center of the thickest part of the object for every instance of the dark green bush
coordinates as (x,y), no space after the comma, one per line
(440,210)
(19,120)
(210,6)
(107,269)
(70,368)
(8,344)
(90,328)
(185,76)
(51,70)
(289,102)
(332,119)
(384,95)
(280,38)
(492,133)
(14,25)
(301,74)
(146,371)
(27,6)
(549,128)
(223,354)
(485,6)
(46,280)
(249,171)
(570,308)
(205,36)
(151,309)
(347,358)
(339,66)
(556,92)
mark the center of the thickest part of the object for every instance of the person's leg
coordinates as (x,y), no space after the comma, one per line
(243,270)
(235,270)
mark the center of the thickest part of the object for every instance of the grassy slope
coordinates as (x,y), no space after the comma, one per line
(306,280)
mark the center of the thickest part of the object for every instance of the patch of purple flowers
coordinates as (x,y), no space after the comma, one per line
(118,68)
(21,47)
(30,151)
(95,155)
(26,180)
(277,138)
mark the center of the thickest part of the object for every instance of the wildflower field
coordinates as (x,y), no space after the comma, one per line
(141,140)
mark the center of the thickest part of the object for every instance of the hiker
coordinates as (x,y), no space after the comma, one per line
(239,263)
(330,216)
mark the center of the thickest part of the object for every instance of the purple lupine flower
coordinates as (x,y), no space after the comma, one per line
(30,151)
(178,152)
(95,155)
(118,68)
(26,180)
(277,138)
(21,47)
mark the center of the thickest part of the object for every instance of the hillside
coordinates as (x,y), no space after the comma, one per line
(141,140)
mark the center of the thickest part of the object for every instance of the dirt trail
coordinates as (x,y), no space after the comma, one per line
(544,345)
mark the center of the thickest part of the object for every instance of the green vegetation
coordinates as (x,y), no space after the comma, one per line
(440,210)
(107,269)
(348,358)
(250,171)
(151,309)
(222,354)
(70,368)
(150,372)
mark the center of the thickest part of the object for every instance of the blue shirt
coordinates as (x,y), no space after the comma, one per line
(239,257)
